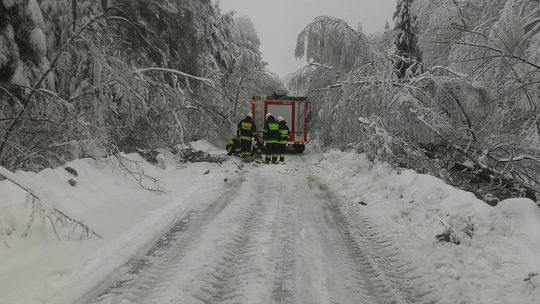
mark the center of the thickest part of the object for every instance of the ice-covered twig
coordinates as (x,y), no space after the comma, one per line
(446,69)
(518,158)
(327,67)
(56,98)
(135,170)
(206,81)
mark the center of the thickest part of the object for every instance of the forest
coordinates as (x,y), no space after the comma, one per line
(90,78)
(419,184)
(451,89)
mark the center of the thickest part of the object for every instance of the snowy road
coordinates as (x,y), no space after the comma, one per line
(274,235)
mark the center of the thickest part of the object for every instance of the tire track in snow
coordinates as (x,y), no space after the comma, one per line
(153,271)
(372,260)
(232,270)
(285,266)
(281,242)
(258,261)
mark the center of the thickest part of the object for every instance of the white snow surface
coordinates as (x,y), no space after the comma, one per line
(41,269)
(491,267)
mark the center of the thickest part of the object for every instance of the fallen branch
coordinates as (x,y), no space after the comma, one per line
(192,156)
(42,205)
(518,158)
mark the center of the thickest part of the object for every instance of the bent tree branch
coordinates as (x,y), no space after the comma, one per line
(205,81)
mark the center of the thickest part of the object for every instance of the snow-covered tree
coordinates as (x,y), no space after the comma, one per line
(24,71)
(245,35)
(332,49)
(332,42)
(248,75)
(408,52)
(23,48)
(127,74)
(386,26)
(476,93)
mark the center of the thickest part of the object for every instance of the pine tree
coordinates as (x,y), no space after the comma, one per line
(408,50)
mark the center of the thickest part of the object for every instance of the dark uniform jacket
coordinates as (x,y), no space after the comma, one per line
(271,131)
(246,128)
(284,132)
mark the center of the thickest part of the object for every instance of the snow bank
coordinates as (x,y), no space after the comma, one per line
(126,216)
(524,214)
(499,247)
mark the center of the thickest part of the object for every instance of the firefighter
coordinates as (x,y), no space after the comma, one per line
(245,131)
(271,136)
(284,133)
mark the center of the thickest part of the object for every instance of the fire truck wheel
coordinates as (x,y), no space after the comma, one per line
(299,148)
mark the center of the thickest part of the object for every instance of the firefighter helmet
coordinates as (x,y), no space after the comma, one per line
(268,115)
(249,114)
(280,119)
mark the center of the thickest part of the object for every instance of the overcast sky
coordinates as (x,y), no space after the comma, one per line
(279,22)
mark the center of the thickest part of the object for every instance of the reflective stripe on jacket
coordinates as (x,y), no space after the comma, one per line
(271,132)
(246,128)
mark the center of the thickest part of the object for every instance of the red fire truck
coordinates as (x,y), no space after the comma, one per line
(295,111)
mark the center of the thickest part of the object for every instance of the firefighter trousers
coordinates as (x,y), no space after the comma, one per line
(282,151)
(245,148)
(272,152)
